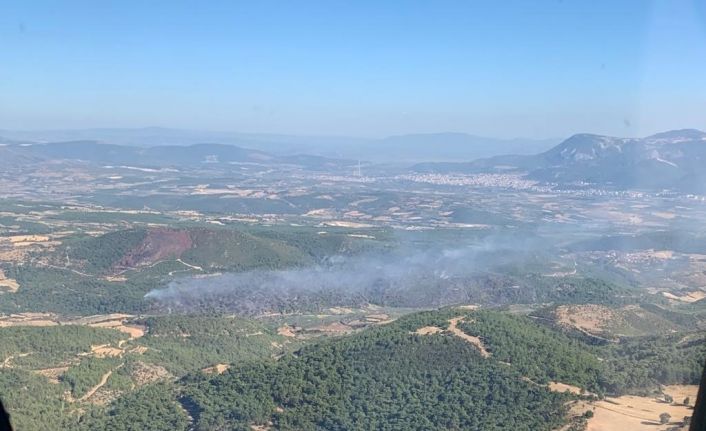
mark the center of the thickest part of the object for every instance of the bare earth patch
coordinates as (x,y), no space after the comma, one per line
(104,396)
(139,350)
(353,225)
(286,331)
(332,328)
(690,297)
(428,330)
(28,319)
(7,363)
(662,254)
(134,331)
(143,373)
(377,318)
(105,351)
(100,384)
(159,244)
(563,387)
(22,243)
(14,255)
(453,328)
(589,318)
(633,413)
(27,238)
(52,374)
(8,283)
(216,369)
(112,321)
(115,279)
(340,310)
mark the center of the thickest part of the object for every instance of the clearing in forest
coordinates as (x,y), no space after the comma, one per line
(143,373)
(28,319)
(105,351)
(428,330)
(216,369)
(286,331)
(52,374)
(588,318)
(563,387)
(633,413)
(453,329)
(10,284)
(134,331)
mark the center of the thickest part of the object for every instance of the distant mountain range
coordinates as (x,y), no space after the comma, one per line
(669,160)
(16,154)
(398,149)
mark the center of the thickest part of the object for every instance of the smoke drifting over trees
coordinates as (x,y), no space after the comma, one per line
(417,278)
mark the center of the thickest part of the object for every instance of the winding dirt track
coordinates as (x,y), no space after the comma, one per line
(100,384)
(453,328)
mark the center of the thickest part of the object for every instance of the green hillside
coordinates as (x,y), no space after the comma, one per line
(536,351)
(383,378)
(112,272)
(227,249)
(421,371)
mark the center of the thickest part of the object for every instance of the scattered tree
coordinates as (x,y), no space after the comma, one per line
(664,418)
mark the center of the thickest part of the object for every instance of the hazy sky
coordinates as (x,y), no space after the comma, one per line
(364,68)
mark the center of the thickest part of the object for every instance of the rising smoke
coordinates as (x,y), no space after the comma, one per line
(428,278)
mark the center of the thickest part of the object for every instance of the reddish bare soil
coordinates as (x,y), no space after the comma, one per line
(159,244)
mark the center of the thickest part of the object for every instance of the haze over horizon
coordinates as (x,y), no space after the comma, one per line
(260,134)
(353,214)
(363,69)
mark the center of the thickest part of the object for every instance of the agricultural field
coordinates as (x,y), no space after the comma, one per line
(164,303)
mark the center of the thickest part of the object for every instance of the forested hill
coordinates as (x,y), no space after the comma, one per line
(210,249)
(429,371)
(112,272)
(436,370)
(387,378)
